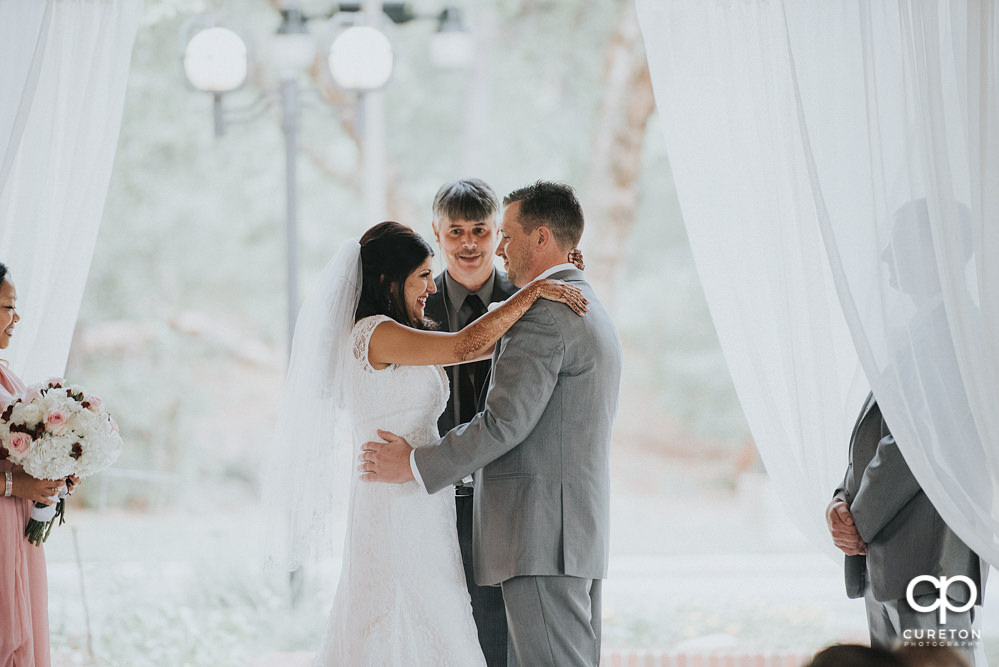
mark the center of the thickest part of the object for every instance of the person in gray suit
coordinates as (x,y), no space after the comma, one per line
(464,225)
(539,449)
(891,533)
(879,516)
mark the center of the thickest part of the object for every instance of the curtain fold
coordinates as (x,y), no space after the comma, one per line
(723,81)
(52,196)
(836,164)
(21,50)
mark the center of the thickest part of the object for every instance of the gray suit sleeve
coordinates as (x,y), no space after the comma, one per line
(886,487)
(524,374)
(840,491)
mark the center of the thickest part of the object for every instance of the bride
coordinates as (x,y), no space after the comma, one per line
(364,357)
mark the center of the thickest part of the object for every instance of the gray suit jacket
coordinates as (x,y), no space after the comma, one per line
(905,535)
(541,446)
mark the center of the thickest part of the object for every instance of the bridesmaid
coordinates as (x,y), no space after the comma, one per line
(24,618)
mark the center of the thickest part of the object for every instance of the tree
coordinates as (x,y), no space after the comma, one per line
(612,192)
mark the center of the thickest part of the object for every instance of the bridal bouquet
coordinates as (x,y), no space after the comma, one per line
(55,431)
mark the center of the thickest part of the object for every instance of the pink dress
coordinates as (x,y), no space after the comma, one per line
(24,612)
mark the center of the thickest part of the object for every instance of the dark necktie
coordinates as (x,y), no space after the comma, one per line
(470,375)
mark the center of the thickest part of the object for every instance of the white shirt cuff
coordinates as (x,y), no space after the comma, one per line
(416,471)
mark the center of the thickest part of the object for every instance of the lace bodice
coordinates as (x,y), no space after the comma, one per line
(406,400)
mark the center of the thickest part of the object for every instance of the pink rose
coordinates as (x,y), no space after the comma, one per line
(55,421)
(93,403)
(4,403)
(18,443)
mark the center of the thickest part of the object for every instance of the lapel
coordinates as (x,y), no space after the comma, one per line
(863,445)
(436,308)
(868,404)
(503,289)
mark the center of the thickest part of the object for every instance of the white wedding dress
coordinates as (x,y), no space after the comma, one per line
(402,598)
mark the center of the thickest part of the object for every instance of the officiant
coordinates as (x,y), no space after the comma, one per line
(464,224)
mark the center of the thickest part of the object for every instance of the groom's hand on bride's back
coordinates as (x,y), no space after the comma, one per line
(386,461)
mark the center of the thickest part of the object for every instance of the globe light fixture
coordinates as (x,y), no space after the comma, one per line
(452,46)
(219,60)
(292,48)
(361,59)
(215,60)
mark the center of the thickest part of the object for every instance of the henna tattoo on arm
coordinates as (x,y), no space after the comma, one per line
(478,336)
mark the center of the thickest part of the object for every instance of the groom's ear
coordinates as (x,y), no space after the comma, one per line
(544,236)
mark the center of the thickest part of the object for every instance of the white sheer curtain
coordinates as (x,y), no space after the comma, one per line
(21,51)
(62,102)
(836,164)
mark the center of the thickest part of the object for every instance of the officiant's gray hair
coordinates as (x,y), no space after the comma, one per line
(466,199)
(553,205)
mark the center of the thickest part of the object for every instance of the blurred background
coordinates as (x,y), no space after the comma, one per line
(183,332)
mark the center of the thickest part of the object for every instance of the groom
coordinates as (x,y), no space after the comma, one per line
(539,449)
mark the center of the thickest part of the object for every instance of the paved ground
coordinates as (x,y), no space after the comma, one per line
(692,575)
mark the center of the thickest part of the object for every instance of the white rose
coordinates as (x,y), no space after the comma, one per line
(29,414)
(84,422)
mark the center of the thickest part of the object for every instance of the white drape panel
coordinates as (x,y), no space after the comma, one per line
(721,72)
(52,197)
(836,164)
(21,50)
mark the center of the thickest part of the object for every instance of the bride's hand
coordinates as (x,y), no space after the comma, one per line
(576,258)
(557,290)
(37,490)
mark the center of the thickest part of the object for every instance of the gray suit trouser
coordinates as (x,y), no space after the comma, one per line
(894,623)
(553,621)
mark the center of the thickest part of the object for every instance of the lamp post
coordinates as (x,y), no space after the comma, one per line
(218,60)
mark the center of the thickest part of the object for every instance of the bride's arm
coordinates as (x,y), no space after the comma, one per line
(393,343)
(576,257)
(480,355)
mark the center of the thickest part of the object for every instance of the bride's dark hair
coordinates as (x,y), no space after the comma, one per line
(390,252)
(3,271)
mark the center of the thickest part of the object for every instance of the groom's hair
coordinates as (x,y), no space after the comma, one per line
(390,252)
(553,205)
(467,199)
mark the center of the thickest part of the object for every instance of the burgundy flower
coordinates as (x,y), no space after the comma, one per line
(77,451)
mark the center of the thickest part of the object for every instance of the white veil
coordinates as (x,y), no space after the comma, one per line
(306,475)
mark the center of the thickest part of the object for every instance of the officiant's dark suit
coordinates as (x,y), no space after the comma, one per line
(451,307)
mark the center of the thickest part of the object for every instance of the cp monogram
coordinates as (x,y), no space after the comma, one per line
(943,603)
